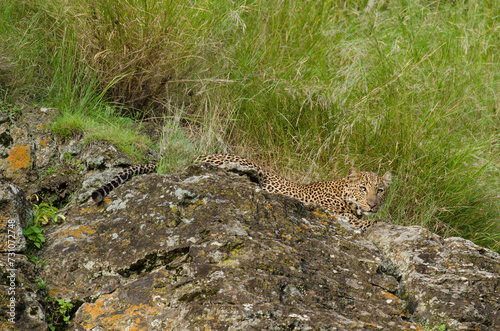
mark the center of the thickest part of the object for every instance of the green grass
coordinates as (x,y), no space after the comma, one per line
(42,59)
(176,148)
(307,87)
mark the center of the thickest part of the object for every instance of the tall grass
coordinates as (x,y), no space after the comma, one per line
(45,66)
(307,87)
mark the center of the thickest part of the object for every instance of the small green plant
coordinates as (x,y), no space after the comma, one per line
(35,236)
(50,171)
(32,259)
(9,108)
(426,326)
(44,213)
(68,157)
(42,284)
(60,312)
(64,309)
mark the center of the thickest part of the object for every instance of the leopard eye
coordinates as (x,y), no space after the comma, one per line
(380,190)
(363,188)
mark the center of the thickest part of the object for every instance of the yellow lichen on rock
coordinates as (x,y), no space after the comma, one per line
(19,157)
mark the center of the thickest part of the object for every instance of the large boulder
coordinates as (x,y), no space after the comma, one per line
(207,249)
(47,167)
(448,281)
(16,214)
(20,297)
(26,143)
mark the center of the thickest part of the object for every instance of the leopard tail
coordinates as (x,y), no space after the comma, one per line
(99,194)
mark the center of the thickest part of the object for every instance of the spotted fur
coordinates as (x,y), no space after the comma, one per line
(99,194)
(349,198)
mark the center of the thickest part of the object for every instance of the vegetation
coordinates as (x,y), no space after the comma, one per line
(60,310)
(60,313)
(306,87)
(42,215)
(35,236)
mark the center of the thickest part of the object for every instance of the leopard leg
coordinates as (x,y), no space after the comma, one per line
(360,223)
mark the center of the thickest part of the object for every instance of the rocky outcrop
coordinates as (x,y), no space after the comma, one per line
(26,144)
(450,282)
(15,215)
(208,249)
(43,165)
(20,296)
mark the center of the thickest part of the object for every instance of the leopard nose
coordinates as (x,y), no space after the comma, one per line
(371,204)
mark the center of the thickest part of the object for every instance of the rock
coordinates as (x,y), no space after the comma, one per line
(448,281)
(103,156)
(72,149)
(20,297)
(15,215)
(43,165)
(26,144)
(209,249)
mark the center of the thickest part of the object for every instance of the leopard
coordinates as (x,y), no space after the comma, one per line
(349,198)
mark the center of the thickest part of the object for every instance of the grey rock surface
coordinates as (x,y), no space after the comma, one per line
(20,297)
(448,281)
(209,249)
(15,215)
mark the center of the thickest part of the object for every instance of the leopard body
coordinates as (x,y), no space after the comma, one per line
(349,198)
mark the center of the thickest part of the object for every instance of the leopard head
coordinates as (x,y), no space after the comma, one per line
(365,191)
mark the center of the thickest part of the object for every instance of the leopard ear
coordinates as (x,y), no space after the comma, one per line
(387,179)
(353,174)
